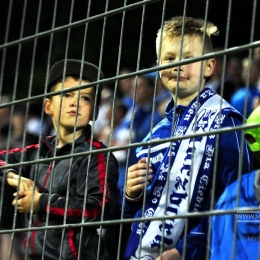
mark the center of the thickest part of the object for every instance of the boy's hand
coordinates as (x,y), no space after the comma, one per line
(25,193)
(172,254)
(24,198)
(25,184)
(136,177)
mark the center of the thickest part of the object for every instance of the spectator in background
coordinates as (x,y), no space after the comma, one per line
(20,136)
(248,93)
(4,111)
(256,56)
(37,122)
(256,53)
(102,121)
(163,95)
(114,117)
(23,124)
(124,95)
(234,72)
(137,121)
(125,86)
(215,81)
(4,122)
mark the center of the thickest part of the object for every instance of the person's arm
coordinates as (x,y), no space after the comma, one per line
(87,202)
(153,152)
(171,254)
(10,176)
(14,156)
(18,182)
(136,179)
(26,193)
(231,154)
(132,193)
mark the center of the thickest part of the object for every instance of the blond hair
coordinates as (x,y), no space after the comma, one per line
(192,27)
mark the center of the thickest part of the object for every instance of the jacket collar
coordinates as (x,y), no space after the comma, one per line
(170,109)
(49,141)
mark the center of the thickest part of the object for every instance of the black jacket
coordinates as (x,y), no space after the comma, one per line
(74,190)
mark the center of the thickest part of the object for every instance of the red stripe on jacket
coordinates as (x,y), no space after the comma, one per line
(88,212)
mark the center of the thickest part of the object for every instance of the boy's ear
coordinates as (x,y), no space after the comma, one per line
(210,65)
(47,106)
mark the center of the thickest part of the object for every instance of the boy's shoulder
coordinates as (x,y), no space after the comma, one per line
(161,130)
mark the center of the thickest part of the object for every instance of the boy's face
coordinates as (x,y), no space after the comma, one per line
(186,77)
(75,107)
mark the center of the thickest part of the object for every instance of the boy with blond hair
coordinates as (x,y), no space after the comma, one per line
(69,190)
(178,178)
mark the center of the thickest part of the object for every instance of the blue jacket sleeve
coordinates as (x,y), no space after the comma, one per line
(233,151)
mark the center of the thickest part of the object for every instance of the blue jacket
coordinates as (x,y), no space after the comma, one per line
(226,173)
(245,242)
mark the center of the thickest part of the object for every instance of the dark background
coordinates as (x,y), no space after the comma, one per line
(24,65)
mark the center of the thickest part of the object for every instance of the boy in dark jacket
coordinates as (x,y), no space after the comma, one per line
(69,189)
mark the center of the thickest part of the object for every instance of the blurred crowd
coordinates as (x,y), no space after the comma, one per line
(239,78)
(127,113)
